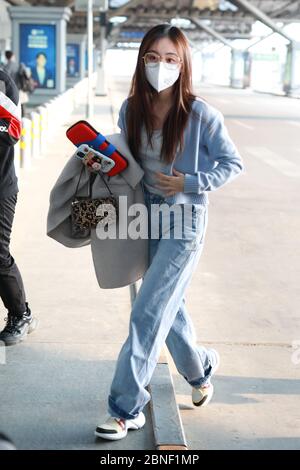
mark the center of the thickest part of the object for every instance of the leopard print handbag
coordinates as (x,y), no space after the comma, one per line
(84,215)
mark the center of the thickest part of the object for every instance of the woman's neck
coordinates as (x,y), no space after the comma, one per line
(161,107)
(165,97)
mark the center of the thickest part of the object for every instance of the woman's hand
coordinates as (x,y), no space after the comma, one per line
(170,185)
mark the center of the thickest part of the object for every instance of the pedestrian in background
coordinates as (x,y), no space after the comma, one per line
(19,320)
(21,76)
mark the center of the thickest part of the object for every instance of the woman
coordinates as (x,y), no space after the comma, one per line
(185,150)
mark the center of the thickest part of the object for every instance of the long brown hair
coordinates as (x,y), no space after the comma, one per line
(141,94)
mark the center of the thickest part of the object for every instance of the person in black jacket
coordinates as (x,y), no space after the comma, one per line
(17,72)
(19,320)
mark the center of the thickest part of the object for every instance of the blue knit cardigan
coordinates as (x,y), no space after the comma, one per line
(209,158)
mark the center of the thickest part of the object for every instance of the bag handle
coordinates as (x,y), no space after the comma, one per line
(91,181)
(103,179)
(76,190)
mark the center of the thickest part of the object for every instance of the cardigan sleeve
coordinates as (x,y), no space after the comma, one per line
(222,149)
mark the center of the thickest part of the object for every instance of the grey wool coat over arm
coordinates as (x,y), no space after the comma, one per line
(120,261)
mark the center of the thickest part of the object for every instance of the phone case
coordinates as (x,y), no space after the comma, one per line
(83,133)
(94,159)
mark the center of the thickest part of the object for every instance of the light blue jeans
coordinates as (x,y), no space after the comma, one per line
(159,315)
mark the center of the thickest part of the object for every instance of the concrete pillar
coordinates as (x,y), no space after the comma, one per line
(247,68)
(101,83)
(5,30)
(291,83)
(207,60)
(237,69)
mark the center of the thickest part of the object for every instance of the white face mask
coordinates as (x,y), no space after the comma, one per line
(161,77)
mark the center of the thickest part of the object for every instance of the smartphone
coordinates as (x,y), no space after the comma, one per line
(83,133)
(95,161)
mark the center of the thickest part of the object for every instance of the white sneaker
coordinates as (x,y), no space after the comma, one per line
(116,428)
(201,396)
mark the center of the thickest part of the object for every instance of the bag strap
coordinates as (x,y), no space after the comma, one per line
(103,179)
(91,181)
(76,190)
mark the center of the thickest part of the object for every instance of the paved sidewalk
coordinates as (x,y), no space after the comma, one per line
(244,295)
(54,386)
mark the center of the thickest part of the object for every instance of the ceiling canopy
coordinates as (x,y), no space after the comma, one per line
(232,19)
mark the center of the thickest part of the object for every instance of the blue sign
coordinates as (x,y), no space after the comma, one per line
(72,60)
(38,52)
(86,60)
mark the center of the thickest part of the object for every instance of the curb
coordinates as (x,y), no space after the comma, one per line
(166,420)
(167,424)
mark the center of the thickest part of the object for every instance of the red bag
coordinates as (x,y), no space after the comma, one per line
(83,133)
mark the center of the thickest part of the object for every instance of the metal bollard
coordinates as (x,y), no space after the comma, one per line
(25,144)
(51,115)
(58,109)
(71,94)
(67,105)
(42,112)
(35,134)
(49,112)
(17,158)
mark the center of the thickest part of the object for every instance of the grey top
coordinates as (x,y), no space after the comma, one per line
(151,162)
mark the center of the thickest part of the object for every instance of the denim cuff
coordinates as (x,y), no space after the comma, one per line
(117,412)
(203,381)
